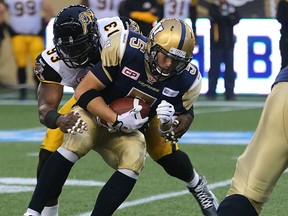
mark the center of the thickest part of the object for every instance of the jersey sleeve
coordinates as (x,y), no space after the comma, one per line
(44,71)
(111,57)
(191,95)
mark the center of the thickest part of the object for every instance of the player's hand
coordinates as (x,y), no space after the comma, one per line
(109,127)
(165,112)
(130,121)
(71,123)
(181,124)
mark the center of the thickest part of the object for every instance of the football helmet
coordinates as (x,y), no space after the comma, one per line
(173,38)
(76,36)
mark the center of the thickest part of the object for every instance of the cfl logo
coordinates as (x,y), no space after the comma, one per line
(130,73)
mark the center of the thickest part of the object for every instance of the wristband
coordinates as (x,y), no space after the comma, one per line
(86,97)
(51,119)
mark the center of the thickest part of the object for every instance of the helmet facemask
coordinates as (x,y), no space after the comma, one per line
(178,63)
(76,36)
(77,53)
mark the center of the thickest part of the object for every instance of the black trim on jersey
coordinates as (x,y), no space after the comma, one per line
(86,97)
(191,111)
(48,73)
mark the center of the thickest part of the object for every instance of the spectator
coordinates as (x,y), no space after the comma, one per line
(282,18)
(103,9)
(26,28)
(2,21)
(223,16)
(144,12)
(179,9)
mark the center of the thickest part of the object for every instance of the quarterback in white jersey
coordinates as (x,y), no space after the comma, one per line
(75,50)
(108,8)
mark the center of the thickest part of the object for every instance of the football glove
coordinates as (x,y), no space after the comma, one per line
(109,126)
(79,127)
(130,121)
(165,112)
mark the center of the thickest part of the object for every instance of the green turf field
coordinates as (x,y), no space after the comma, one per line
(155,193)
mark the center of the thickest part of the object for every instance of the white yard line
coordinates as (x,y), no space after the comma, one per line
(164,196)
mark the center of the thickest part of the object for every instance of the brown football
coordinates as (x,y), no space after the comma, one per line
(123,105)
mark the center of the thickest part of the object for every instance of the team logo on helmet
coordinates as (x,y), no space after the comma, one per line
(86,18)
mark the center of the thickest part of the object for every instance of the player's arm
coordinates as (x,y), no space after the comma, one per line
(185,119)
(173,127)
(88,92)
(85,2)
(49,98)
(88,96)
(2,12)
(48,10)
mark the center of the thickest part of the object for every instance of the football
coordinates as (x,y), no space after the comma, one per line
(123,105)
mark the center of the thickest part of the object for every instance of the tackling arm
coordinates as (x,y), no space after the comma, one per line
(49,98)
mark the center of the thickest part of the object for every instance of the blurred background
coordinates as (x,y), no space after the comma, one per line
(256,55)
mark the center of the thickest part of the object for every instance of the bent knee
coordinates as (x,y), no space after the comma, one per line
(133,158)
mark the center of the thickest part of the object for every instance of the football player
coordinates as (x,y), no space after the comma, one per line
(157,70)
(180,9)
(27,22)
(265,158)
(103,9)
(65,65)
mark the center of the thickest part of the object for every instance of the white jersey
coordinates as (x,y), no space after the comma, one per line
(107,8)
(109,26)
(25,16)
(50,69)
(177,9)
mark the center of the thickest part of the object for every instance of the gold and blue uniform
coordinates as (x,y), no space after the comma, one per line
(266,157)
(122,71)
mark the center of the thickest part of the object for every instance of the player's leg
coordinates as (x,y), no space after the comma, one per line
(177,164)
(52,141)
(214,72)
(126,154)
(57,168)
(265,158)
(229,74)
(19,47)
(236,205)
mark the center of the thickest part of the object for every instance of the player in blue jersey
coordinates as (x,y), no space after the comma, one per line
(265,158)
(157,70)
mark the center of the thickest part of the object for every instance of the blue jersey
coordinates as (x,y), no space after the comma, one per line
(282,76)
(123,72)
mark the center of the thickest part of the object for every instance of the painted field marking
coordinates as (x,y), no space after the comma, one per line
(191,137)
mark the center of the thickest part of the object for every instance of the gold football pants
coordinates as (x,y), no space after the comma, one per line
(157,147)
(266,156)
(24,46)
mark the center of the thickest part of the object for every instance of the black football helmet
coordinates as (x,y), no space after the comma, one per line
(76,36)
